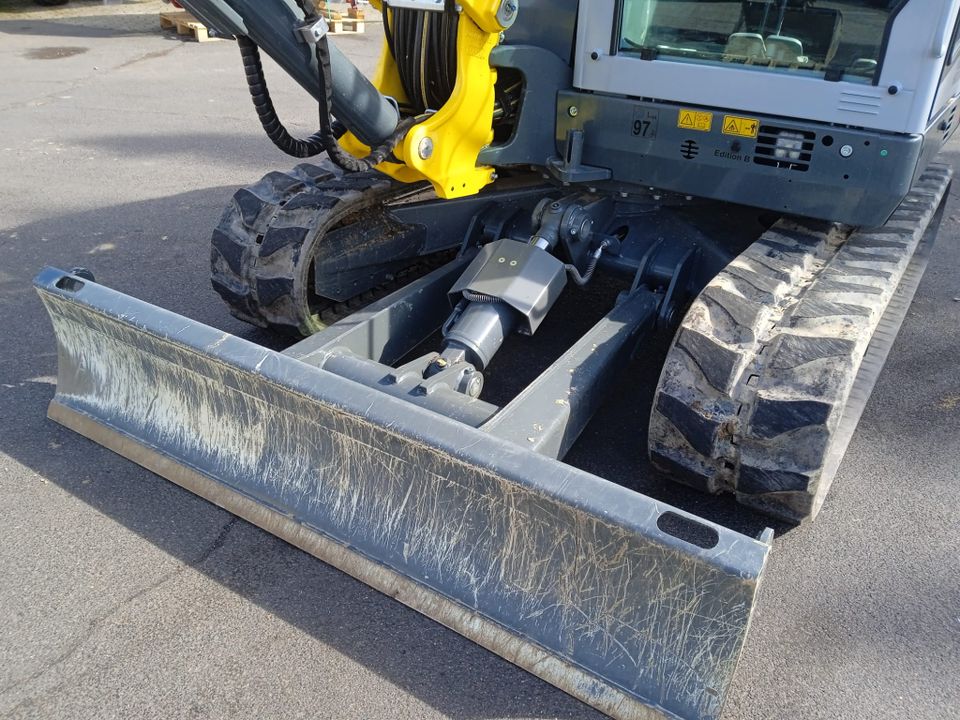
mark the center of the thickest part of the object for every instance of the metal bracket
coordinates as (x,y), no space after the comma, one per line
(428,5)
(675,294)
(570,167)
(311,31)
(525,277)
(460,377)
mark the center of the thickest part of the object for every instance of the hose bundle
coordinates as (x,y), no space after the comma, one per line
(424,47)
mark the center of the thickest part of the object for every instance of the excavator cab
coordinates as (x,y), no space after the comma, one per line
(842,40)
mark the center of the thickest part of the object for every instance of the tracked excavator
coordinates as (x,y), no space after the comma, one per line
(755,179)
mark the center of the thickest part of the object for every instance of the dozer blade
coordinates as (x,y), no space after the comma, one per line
(633,606)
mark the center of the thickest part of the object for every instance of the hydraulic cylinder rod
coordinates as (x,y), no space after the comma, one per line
(271,24)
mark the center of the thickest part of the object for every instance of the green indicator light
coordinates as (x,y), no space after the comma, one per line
(884,153)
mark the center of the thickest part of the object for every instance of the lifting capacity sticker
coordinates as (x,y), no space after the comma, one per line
(695,120)
(741,126)
(645,123)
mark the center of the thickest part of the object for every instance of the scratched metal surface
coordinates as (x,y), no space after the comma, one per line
(572,564)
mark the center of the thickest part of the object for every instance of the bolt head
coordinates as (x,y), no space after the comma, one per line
(507,12)
(425,148)
(573,111)
(475,386)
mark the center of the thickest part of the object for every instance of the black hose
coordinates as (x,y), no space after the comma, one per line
(423,45)
(327,135)
(330,130)
(253,70)
(574,273)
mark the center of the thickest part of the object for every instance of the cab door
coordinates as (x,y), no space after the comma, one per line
(949,86)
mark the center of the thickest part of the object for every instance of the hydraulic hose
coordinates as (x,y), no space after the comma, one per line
(575,275)
(256,82)
(326,138)
(340,156)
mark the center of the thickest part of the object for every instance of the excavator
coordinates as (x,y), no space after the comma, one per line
(755,181)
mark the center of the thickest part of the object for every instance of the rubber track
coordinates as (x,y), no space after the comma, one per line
(268,228)
(754,388)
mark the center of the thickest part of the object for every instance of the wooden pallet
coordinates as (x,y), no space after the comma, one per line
(185,24)
(345,26)
(353,23)
(339,24)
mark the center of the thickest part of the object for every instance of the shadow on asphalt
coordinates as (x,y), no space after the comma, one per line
(438,667)
(90,26)
(212,145)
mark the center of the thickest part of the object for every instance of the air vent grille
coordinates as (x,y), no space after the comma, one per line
(784,148)
(862,103)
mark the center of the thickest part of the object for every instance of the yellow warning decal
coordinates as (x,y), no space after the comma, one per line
(695,120)
(742,126)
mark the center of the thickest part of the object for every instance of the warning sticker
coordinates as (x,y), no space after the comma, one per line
(695,120)
(742,126)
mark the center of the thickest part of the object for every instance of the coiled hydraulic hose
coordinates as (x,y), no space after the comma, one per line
(424,47)
(253,70)
(324,139)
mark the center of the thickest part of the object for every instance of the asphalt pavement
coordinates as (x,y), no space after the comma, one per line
(122,595)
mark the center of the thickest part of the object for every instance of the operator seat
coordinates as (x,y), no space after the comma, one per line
(746,45)
(785,49)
